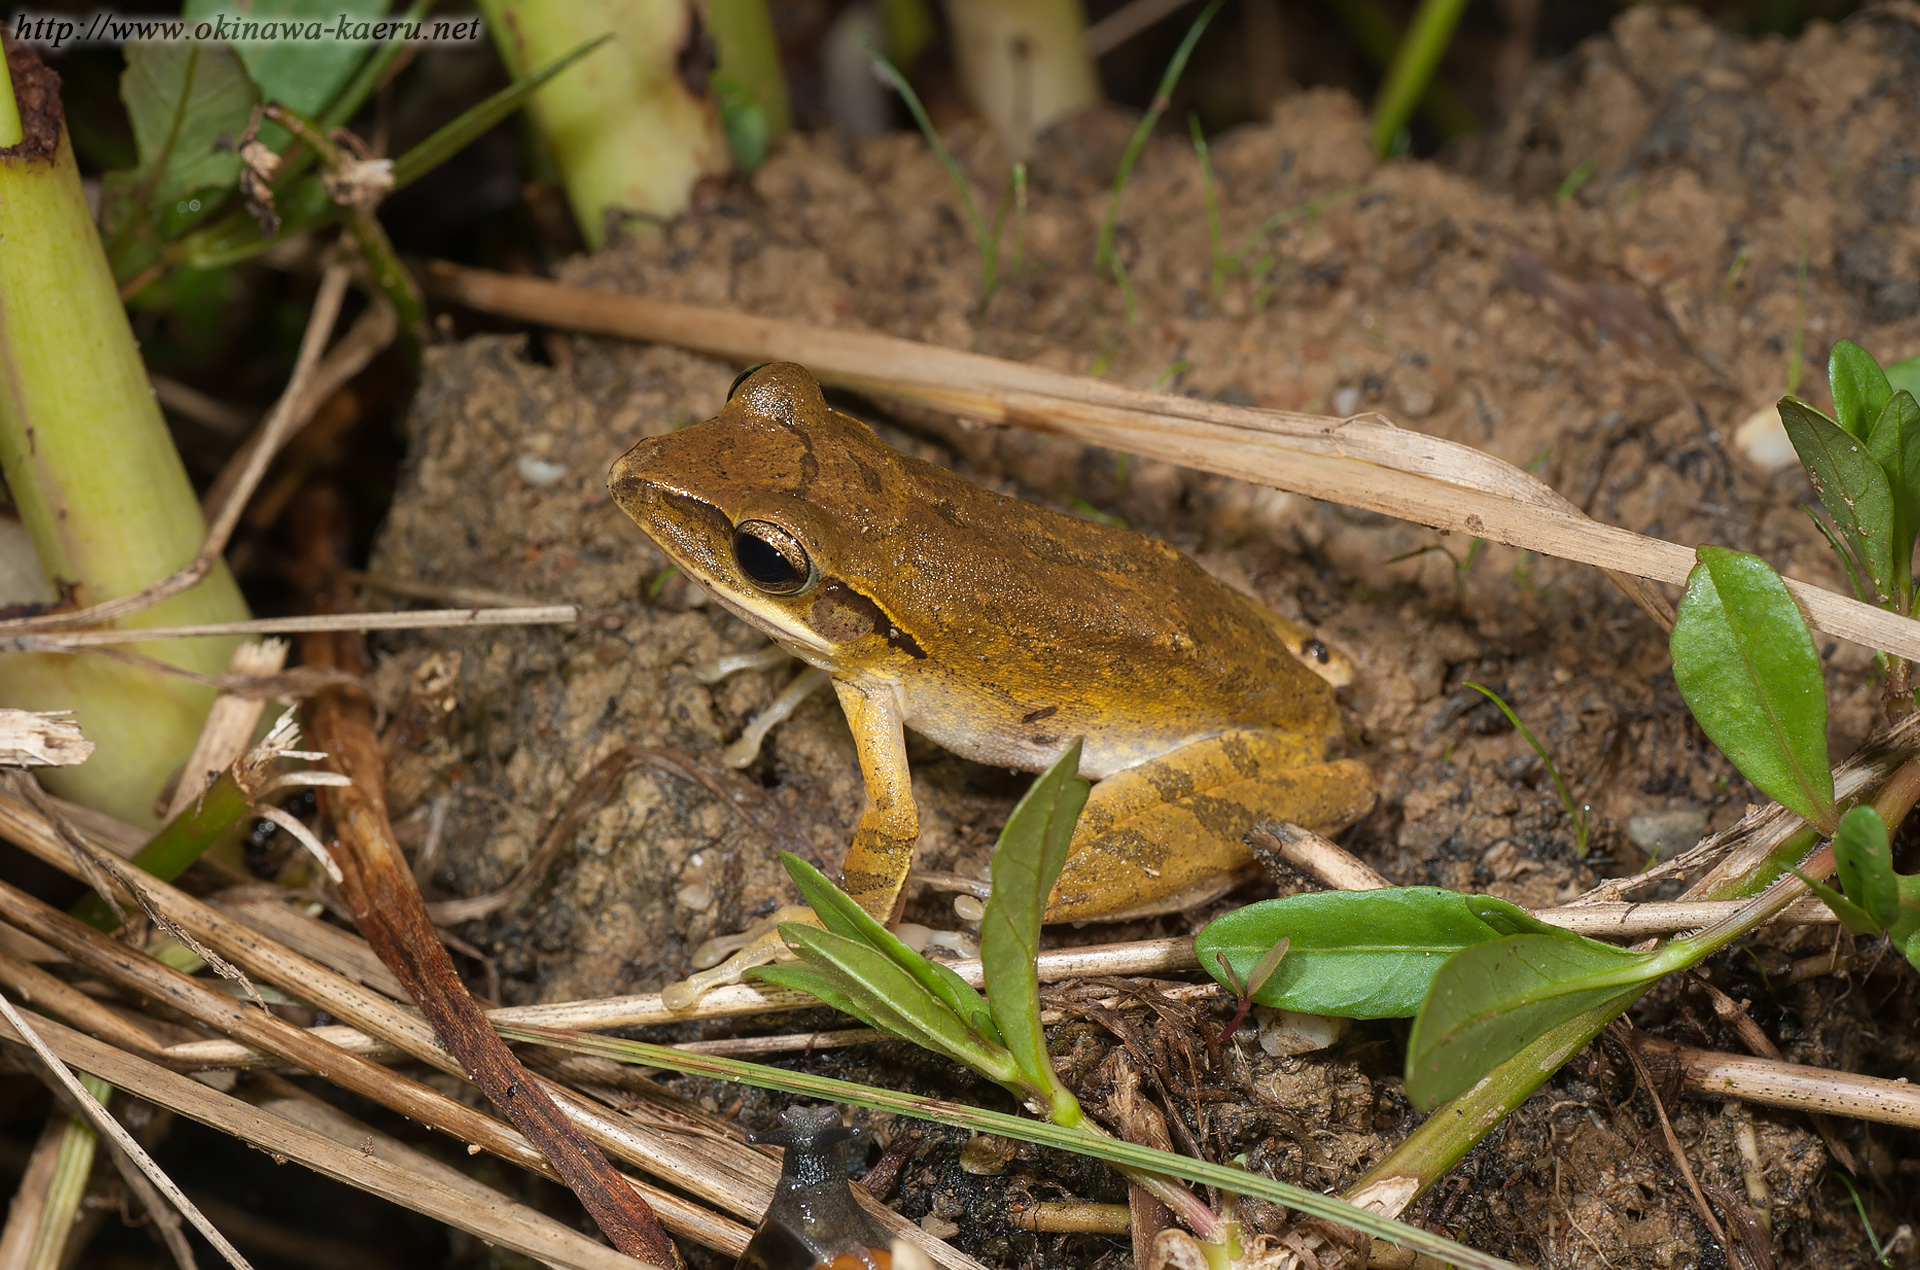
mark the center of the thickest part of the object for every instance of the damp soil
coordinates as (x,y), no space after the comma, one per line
(1745,205)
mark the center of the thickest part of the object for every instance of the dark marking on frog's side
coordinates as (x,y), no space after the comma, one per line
(1314,648)
(843,615)
(1046,712)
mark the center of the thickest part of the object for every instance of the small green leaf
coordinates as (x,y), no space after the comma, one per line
(1748,670)
(1851,485)
(1905,375)
(815,982)
(302,75)
(1491,1000)
(1026,863)
(1860,388)
(1865,861)
(183,99)
(839,914)
(894,1000)
(1851,915)
(1353,954)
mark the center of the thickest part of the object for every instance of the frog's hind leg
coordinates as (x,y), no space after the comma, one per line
(1156,836)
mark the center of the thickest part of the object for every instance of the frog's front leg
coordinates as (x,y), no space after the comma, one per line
(875,871)
(1170,833)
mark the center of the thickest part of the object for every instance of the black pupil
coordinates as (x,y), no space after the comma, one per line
(764,562)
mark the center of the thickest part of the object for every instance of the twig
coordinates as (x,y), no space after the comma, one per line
(1735,1015)
(110,1128)
(1129,20)
(1717,1075)
(408,620)
(231,723)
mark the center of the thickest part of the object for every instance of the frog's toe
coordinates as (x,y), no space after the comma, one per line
(757,946)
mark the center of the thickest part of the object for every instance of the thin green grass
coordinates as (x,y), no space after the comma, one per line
(1579,815)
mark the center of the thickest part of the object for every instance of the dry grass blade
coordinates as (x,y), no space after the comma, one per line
(1776,1084)
(411,620)
(30,738)
(230,724)
(402,1030)
(494,1217)
(111,1129)
(1366,462)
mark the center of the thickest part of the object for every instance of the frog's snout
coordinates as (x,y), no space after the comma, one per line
(631,481)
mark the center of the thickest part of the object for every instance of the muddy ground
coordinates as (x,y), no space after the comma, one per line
(1748,204)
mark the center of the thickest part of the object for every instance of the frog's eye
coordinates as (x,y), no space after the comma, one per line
(743,377)
(772,558)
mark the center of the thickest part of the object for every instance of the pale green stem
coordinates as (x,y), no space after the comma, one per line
(1023,64)
(99,489)
(628,136)
(70,1172)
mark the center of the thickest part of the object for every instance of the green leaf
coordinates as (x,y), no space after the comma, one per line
(1748,670)
(302,75)
(1026,863)
(815,982)
(1354,954)
(1860,388)
(1865,862)
(1851,915)
(1840,549)
(184,100)
(1905,375)
(454,137)
(893,1000)
(1895,445)
(1851,485)
(839,914)
(1491,1000)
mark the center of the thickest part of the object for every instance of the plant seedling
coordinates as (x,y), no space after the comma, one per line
(1580,816)
(1873,899)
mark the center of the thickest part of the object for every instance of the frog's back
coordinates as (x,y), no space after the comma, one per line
(1100,631)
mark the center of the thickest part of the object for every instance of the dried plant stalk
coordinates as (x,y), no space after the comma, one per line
(499,1220)
(1363,462)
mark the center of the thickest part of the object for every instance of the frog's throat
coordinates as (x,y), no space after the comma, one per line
(792,634)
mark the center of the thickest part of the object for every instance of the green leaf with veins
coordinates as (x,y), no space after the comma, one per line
(1852,487)
(839,914)
(1748,670)
(1352,954)
(1492,1000)
(1026,863)
(1860,388)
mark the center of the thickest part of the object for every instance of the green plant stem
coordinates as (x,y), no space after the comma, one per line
(1082,1140)
(183,840)
(1412,70)
(70,1172)
(749,60)
(1022,64)
(628,135)
(1444,1138)
(98,486)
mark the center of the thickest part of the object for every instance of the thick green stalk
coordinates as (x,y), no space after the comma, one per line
(1412,70)
(629,134)
(1023,64)
(10,133)
(94,475)
(184,839)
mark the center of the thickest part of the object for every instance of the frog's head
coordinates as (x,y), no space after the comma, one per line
(763,503)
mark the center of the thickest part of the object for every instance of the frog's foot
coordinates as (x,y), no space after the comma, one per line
(758,946)
(747,748)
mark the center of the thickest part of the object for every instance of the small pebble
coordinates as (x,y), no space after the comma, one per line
(1285,1033)
(939,1227)
(539,472)
(1763,439)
